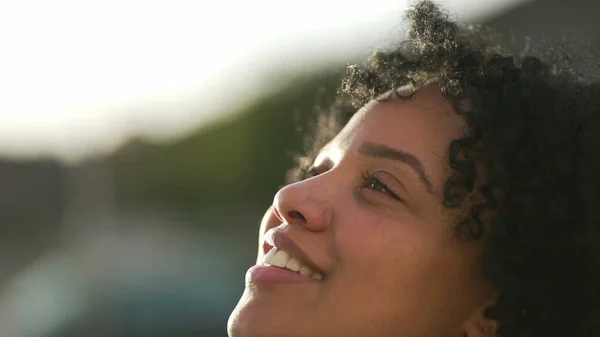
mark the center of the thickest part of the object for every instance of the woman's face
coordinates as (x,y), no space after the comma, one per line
(371,223)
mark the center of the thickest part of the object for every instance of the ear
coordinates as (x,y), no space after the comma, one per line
(483,323)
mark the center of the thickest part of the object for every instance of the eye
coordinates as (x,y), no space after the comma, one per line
(311,171)
(308,172)
(320,166)
(314,171)
(374,183)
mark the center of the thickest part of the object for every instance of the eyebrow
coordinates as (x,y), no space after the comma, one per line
(386,152)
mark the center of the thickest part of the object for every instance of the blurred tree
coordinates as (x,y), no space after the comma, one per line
(235,163)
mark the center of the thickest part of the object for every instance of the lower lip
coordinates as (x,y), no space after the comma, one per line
(274,275)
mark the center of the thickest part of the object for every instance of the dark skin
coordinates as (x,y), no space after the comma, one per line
(372,219)
(500,240)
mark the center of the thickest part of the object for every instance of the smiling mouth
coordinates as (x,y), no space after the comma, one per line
(280,258)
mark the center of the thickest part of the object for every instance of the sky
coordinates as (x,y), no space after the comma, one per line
(79,77)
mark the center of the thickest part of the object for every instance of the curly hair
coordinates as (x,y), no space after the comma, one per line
(534,127)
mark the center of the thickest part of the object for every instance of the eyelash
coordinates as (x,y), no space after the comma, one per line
(308,172)
(375,184)
(371,181)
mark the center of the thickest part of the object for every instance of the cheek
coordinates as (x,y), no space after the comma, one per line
(268,221)
(385,257)
(369,242)
(382,264)
(407,272)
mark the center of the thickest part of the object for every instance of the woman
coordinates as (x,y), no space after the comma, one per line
(459,200)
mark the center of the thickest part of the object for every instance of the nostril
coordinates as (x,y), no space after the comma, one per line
(296,215)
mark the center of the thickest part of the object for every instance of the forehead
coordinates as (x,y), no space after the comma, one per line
(423,126)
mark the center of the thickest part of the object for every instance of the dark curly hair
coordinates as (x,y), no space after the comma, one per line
(534,129)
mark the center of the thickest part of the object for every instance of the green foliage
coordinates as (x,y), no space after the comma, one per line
(237,162)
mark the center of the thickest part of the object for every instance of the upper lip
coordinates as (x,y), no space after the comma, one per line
(279,240)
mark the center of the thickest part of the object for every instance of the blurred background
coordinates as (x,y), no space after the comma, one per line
(141,141)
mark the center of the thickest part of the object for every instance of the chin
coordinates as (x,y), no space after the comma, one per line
(254,316)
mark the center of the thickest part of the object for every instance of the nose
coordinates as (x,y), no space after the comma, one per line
(304,203)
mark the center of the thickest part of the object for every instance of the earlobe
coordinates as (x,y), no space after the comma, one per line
(483,323)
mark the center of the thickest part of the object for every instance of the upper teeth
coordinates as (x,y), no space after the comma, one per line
(282,259)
